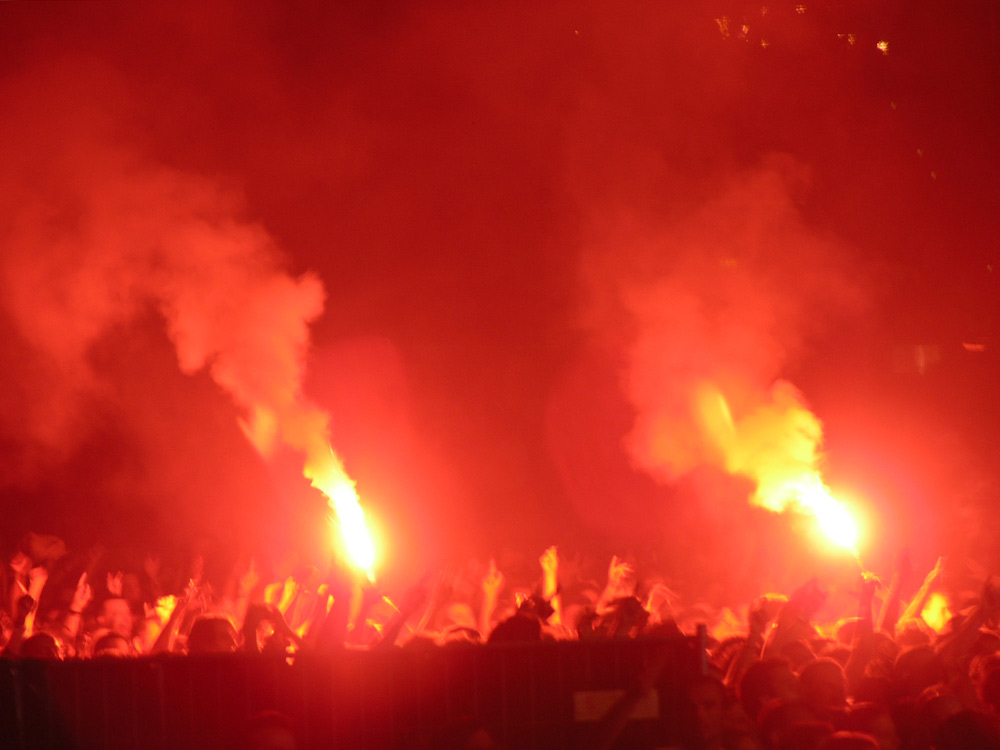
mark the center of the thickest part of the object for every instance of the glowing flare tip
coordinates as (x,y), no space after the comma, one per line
(833,518)
(353,528)
(343,499)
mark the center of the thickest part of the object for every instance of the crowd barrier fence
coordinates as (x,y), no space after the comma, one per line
(542,695)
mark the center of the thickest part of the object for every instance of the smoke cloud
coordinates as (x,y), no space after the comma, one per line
(171,174)
(716,309)
(98,237)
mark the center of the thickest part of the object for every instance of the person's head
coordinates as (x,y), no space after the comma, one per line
(915,669)
(116,615)
(798,653)
(212,634)
(982,665)
(836,651)
(725,651)
(806,735)
(113,645)
(968,729)
(873,689)
(520,628)
(875,720)
(930,709)
(988,689)
(987,643)
(702,711)
(765,681)
(41,646)
(623,617)
(845,630)
(459,634)
(822,685)
(779,716)
(913,632)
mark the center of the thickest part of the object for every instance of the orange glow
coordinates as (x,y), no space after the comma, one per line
(330,478)
(936,612)
(776,444)
(809,495)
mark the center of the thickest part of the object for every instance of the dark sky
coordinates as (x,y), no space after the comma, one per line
(499,244)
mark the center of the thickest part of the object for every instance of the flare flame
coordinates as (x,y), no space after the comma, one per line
(305,427)
(776,445)
(331,479)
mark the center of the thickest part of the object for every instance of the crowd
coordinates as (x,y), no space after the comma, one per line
(776,679)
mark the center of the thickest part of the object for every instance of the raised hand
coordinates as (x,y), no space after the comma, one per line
(808,598)
(83,594)
(20,563)
(37,577)
(764,610)
(550,560)
(550,572)
(249,580)
(165,606)
(618,572)
(115,584)
(493,580)
(658,601)
(869,584)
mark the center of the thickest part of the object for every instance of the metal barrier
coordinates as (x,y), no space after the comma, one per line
(544,696)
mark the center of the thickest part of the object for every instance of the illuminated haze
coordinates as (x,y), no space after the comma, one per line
(501,248)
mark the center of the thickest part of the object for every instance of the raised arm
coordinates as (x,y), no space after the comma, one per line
(795,618)
(550,583)
(82,596)
(762,612)
(863,644)
(37,578)
(620,582)
(492,585)
(902,572)
(919,600)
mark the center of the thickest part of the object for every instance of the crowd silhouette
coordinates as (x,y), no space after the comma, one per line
(774,678)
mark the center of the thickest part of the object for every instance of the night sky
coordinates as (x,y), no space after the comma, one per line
(500,244)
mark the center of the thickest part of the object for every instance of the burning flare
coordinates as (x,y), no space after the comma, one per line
(777,445)
(330,478)
(306,428)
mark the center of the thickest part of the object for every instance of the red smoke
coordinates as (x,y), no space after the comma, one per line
(101,237)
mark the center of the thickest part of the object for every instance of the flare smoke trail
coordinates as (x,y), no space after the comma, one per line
(723,304)
(101,235)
